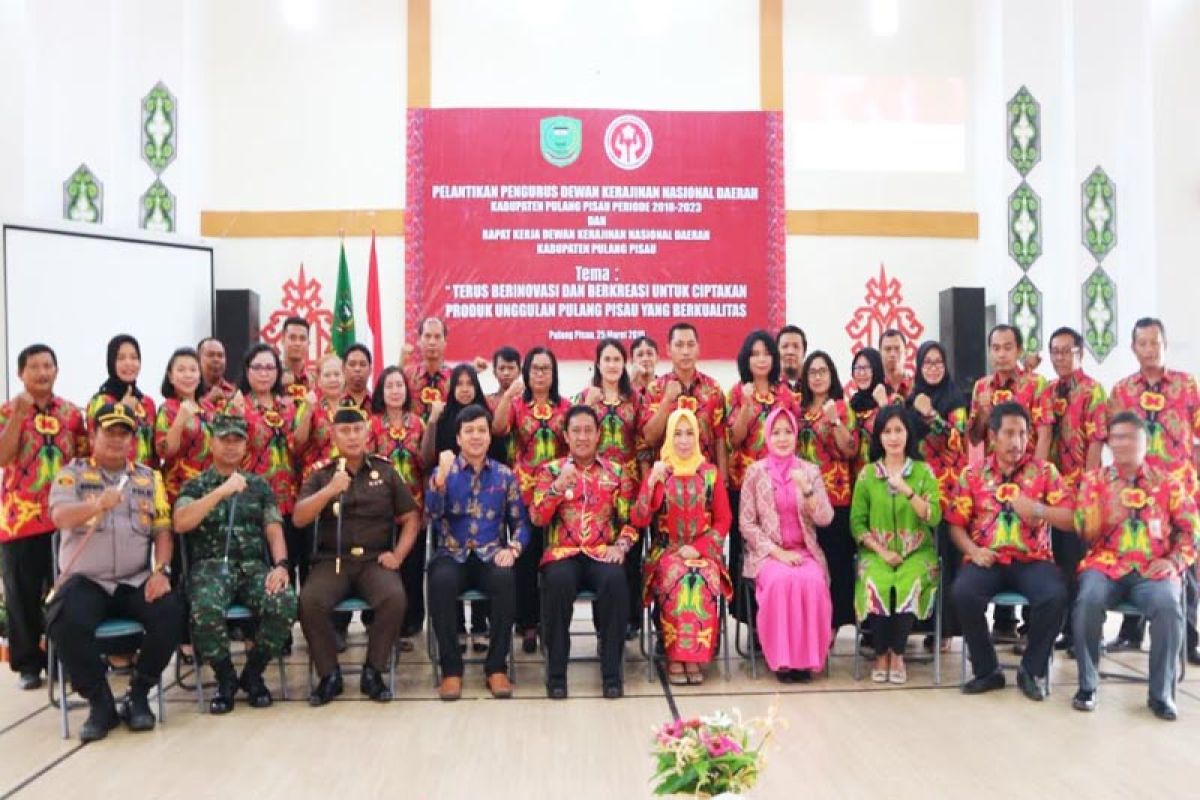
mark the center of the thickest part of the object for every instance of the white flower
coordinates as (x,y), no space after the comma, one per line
(718,720)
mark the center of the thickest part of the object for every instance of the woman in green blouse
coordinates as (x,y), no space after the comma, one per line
(895,510)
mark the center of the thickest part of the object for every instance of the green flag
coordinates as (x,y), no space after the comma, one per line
(343,309)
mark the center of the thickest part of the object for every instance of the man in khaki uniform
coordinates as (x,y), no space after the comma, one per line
(369,497)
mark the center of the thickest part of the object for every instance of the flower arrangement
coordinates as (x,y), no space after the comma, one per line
(712,755)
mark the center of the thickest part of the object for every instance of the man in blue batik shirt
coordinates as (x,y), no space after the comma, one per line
(480,527)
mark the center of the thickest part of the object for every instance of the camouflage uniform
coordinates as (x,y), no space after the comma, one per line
(215,584)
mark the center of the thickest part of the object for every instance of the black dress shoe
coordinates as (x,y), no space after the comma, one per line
(1063,643)
(1031,687)
(1084,701)
(1121,644)
(328,688)
(30,681)
(102,715)
(1193,656)
(136,710)
(252,683)
(985,683)
(613,690)
(339,641)
(1163,709)
(556,691)
(802,676)
(373,685)
(784,676)
(529,641)
(632,632)
(227,685)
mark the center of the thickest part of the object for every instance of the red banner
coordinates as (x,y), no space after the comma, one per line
(561,227)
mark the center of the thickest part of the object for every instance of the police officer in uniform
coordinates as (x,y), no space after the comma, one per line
(226,515)
(110,510)
(355,558)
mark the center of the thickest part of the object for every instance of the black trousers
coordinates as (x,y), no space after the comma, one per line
(740,608)
(561,582)
(1133,627)
(1068,552)
(81,605)
(633,580)
(1040,581)
(28,572)
(447,580)
(839,549)
(412,572)
(529,600)
(299,549)
(890,631)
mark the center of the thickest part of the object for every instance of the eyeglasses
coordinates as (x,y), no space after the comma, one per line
(858,368)
(930,363)
(262,367)
(541,368)
(819,372)
(1056,352)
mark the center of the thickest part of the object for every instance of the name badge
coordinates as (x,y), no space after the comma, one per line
(1156,528)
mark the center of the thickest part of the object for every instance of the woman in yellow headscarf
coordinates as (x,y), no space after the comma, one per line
(684,499)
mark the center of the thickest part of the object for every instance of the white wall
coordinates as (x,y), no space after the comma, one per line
(280,113)
(1176,122)
(87,67)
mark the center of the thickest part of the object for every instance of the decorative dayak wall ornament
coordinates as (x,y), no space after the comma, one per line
(1098,214)
(883,308)
(301,298)
(1025,215)
(83,196)
(158,209)
(158,138)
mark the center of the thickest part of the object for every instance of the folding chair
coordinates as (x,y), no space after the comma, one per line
(937,631)
(348,606)
(431,643)
(1004,599)
(234,613)
(1126,607)
(651,647)
(114,628)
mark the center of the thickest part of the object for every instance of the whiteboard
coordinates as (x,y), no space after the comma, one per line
(74,289)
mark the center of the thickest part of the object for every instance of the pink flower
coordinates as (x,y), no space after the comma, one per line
(721,745)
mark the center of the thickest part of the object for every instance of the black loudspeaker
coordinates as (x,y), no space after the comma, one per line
(237,327)
(963,334)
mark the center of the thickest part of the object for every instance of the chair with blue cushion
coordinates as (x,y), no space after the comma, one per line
(651,646)
(1128,608)
(937,631)
(1013,599)
(109,629)
(431,643)
(235,613)
(349,606)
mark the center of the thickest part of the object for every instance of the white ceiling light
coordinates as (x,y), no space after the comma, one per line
(299,14)
(884,16)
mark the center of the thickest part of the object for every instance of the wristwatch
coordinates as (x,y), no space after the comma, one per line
(283,562)
(163,568)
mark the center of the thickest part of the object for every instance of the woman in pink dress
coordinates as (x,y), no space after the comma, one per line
(783,502)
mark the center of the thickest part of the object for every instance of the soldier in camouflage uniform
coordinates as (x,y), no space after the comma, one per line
(228,516)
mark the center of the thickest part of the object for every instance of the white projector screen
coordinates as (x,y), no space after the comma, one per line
(74,290)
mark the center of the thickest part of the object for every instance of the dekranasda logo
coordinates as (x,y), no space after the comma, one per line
(628,142)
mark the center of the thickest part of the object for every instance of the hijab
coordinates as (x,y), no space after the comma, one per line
(944,395)
(864,399)
(780,467)
(114,386)
(680,466)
